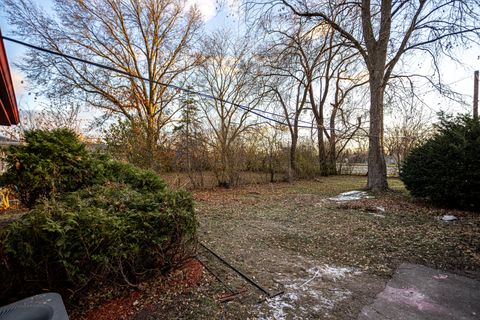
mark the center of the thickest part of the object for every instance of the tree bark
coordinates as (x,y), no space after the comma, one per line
(376,61)
(292,167)
(151,143)
(223,176)
(322,156)
(377,169)
(332,158)
(332,141)
(271,169)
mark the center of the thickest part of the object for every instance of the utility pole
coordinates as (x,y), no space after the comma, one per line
(475,95)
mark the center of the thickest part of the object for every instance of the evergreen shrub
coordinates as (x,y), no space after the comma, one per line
(105,221)
(446,169)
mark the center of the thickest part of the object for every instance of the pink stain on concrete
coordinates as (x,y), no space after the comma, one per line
(414,298)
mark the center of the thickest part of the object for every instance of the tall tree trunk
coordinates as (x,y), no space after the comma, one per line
(376,63)
(270,167)
(292,165)
(377,169)
(223,176)
(322,156)
(332,156)
(151,144)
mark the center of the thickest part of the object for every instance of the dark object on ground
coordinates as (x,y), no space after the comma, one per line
(446,169)
(241,274)
(418,292)
(47,306)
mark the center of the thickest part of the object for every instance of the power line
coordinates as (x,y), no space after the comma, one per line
(178,88)
(446,85)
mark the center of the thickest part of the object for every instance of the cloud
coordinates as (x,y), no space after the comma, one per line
(210,8)
(207,8)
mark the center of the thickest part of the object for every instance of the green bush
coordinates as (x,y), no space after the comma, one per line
(108,221)
(56,161)
(50,162)
(112,232)
(446,169)
(140,179)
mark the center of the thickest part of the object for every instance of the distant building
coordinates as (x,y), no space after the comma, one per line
(98,146)
(5,143)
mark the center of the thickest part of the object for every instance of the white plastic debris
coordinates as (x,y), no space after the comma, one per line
(351,195)
(449,217)
(378,215)
(381,209)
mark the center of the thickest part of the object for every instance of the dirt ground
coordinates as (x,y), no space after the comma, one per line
(329,258)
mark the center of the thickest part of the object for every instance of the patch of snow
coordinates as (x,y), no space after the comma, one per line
(317,271)
(279,306)
(378,215)
(381,209)
(449,217)
(335,273)
(305,293)
(351,195)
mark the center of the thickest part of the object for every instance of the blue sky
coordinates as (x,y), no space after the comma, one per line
(461,76)
(213,19)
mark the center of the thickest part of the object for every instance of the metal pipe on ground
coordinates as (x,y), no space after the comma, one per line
(241,274)
(216,276)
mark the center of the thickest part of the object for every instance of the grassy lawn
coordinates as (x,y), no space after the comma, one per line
(329,258)
(277,233)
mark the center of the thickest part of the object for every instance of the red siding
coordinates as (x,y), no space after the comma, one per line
(8,103)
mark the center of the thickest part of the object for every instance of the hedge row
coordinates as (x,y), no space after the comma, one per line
(91,220)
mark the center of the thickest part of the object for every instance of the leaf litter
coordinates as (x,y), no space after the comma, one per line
(330,257)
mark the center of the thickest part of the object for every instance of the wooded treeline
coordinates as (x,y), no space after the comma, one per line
(300,90)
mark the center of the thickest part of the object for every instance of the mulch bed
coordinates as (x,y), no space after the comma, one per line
(186,277)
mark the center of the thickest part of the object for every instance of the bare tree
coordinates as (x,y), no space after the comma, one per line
(385,30)
(315,65)
(229,74)
(286,81)
(144,38)
(292,97)
(270,147)
(345,120)
(56,114)
(329,65)
(409,130)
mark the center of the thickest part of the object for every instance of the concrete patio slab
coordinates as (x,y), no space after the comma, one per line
(416,292)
